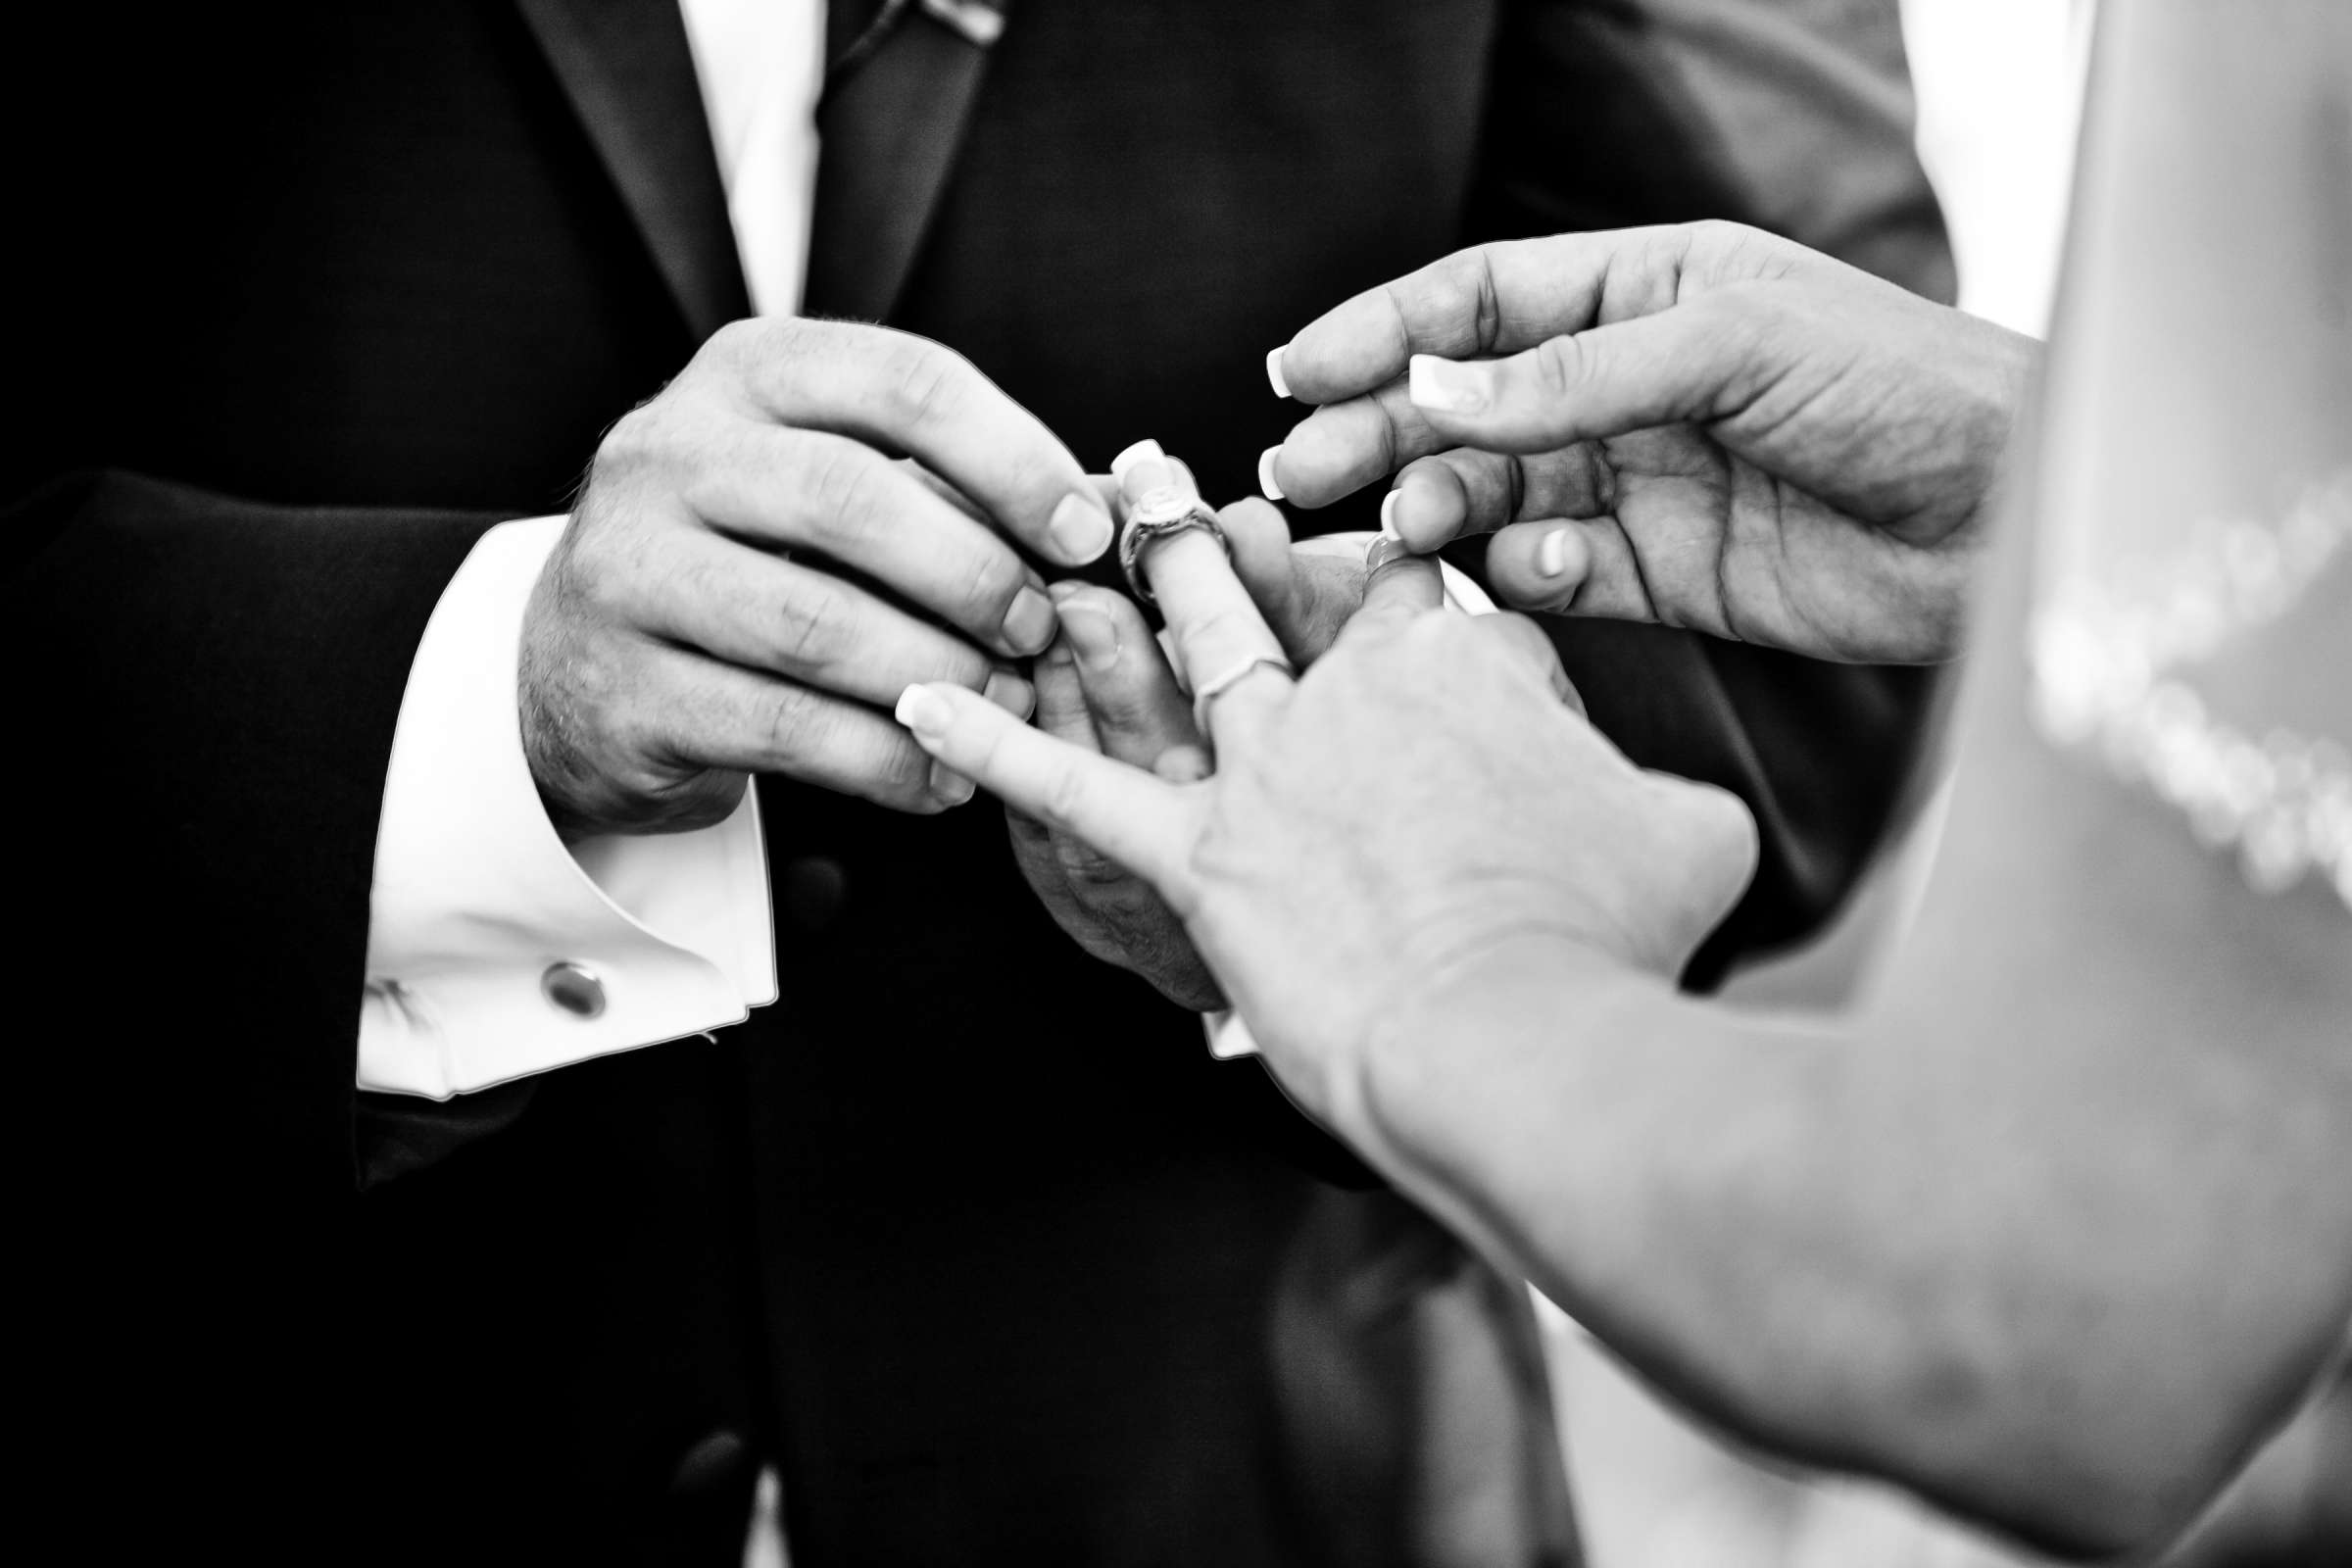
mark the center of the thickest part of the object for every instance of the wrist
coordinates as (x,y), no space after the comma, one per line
(1450,1052)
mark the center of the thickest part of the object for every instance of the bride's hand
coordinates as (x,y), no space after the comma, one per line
(1703,425)
(1423,801)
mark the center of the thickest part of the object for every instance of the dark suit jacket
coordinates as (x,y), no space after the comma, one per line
(968,1234)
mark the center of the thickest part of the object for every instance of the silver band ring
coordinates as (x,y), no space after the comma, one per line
(1162,513)
(1226,680)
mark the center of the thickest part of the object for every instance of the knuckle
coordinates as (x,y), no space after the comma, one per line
(1064,800)
(756,356)
(1734,832)
(1219,628)
(1715,234)
(1560,365)
(990,584)
(957,663)
(792,722)
(594,576)
(632,736)
(843,483)
(1466,279)
(904,768)
(741,338)
(637,440)
(923,384)
(818,629)
(1083,866)
(705,799)
(1712,835)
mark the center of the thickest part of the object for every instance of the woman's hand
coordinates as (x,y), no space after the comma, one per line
(1423,800)
(1704,426)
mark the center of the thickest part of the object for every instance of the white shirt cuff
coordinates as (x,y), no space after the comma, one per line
(476,898)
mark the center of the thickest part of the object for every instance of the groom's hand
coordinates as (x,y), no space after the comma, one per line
(706,614)
(1702,425)
(1107,687)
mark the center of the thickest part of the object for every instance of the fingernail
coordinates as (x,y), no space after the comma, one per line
(1388,513)
(1010,693)
(1080,528)
(924,711)
(1091,636)
(1281,385)
(1268,484)
(1060,591)
(1029,623)
(1446,386)
(949,785)
(1182,763)
(1552,554)
(1134,454)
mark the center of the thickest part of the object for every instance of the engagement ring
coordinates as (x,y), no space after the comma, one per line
(1159,514)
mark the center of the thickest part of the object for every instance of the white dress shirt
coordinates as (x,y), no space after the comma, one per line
(493,949)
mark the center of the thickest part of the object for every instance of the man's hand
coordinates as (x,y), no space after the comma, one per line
(1704,426)
(1105,687)
(703,618)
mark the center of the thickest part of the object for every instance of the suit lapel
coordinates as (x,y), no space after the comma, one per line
(890,128)
(630,74)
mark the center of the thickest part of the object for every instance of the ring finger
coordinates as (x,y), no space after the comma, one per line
(1228,657)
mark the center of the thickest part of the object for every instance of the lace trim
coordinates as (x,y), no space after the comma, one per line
(2102,658)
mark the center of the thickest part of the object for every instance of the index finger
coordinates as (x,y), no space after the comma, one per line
(1490,299)
(910,395)
(1143,823)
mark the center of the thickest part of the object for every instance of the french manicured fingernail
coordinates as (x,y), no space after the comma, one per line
(1080,528)
(1445,386)
(1029,623)
(924,711)
(1138,453)
(1091,636)
(949,785)
(1010,693)
(1388,513)
(1268,484)
(1552,554)
(1281,385)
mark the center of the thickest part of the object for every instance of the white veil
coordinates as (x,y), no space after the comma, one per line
(2193,615)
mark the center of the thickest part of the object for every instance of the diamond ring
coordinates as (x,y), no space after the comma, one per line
(1157,515)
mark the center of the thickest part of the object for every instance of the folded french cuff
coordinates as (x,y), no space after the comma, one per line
(495,950)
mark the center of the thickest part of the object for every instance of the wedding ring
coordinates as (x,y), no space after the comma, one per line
(1210,690)
(1159,514)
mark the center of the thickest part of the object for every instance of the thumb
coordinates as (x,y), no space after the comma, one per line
(1691,361)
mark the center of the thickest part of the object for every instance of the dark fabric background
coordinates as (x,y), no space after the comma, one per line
(968,1232)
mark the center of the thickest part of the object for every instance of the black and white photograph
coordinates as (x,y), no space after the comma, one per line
(1182,783)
